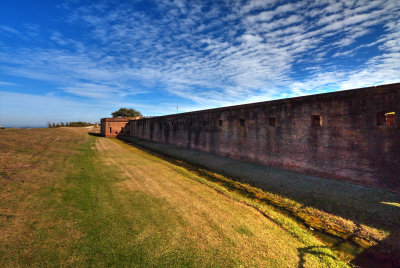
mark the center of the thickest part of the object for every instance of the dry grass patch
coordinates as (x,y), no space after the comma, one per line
(213,218)
(33,163)
(348,218)
(83,200)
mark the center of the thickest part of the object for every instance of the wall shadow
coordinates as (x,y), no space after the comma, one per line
(378,214)
(96,134)
(385,254)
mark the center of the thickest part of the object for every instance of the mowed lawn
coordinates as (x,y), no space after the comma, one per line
(72,199)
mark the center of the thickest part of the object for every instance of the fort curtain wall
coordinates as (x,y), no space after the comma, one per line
(352,135)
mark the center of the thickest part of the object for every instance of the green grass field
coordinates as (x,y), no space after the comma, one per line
(72,199)
(361,224)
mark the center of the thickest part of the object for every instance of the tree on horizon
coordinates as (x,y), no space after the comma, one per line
(125,112)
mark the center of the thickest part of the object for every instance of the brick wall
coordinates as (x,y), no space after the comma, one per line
(112,127)
(337,135)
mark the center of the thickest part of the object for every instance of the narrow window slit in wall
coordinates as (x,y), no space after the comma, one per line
(204,123)
(241,122)
(272,121)
(316,120)
(110,129)
(220,123)
(385,118)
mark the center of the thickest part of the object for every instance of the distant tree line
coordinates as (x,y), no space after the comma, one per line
(71,124)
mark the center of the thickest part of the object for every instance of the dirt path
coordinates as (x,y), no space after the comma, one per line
(211,219)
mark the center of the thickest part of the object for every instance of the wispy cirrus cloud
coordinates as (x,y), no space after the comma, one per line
(21,109)
(215,53)
(4,83)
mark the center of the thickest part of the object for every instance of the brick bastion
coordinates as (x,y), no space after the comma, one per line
(112,127)
(351,135)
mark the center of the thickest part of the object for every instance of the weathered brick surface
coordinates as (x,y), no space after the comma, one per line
(112,127)
(349,145)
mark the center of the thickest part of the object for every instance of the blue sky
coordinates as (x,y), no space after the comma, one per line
(82,60)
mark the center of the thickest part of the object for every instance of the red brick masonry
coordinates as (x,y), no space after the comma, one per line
(112,127)
(352,135)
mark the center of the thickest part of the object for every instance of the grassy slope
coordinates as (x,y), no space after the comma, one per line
(365,221)
(71,199)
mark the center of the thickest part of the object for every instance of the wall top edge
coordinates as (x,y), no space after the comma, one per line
(123,119)
(373,90)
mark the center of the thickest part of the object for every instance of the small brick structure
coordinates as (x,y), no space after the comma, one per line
(112,127)
(351,135)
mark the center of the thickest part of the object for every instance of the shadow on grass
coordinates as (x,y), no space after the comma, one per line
(362,205)
(385,254)
(313,251)
(96,134)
